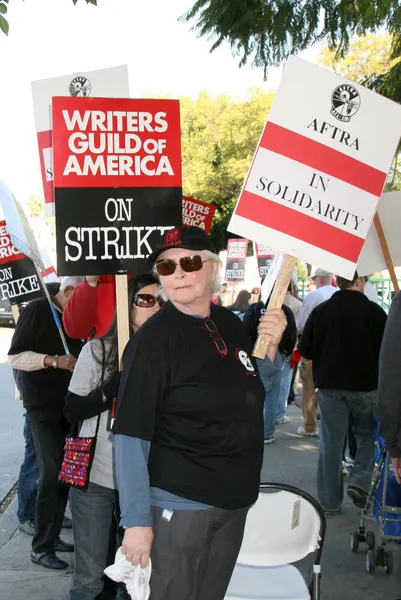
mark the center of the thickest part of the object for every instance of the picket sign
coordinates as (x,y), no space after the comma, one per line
(386,252)
(123,331)
(319,170)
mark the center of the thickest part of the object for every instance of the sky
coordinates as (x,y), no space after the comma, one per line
(49,38)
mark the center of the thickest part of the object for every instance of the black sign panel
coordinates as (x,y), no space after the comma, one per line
(19,282)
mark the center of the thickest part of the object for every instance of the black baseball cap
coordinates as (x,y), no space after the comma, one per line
(188,237)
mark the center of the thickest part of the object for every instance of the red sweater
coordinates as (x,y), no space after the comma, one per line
(91,308)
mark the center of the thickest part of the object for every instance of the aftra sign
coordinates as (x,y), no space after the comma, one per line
(117,178)
(319,169)
(19,281)
(103,83)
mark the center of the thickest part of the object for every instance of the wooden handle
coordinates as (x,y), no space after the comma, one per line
(280,289)
(386,252)
(15,311)
(122,314)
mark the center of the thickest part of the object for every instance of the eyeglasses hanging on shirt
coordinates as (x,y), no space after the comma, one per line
(216,337)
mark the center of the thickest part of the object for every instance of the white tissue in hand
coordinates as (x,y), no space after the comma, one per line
(135,578)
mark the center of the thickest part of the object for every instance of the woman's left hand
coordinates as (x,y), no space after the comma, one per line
(273,324)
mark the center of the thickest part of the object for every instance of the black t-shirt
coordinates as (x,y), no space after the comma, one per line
(36,331)
(343,336)
(202,413)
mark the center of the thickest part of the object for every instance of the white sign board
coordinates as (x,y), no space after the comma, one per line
(319,169)
(104,83)
(372,259)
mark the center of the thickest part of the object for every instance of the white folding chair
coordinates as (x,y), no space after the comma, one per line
(283,526)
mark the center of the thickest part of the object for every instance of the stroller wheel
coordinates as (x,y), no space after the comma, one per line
(354,541)
(370,540)
(388,563)
(370,562)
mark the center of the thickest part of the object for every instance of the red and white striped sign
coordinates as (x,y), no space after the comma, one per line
(103,83)
(319,169)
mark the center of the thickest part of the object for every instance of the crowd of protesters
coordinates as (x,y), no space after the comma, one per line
(180,431)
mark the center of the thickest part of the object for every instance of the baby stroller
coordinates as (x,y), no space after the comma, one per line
(384,505)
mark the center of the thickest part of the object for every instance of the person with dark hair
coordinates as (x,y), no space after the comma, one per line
(287,345)
(342,338)
(241,304)
(43,375)
(189,427)
(92,390)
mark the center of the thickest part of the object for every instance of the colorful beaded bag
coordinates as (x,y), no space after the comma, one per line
(79,453)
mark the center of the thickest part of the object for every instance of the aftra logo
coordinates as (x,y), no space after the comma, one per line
(80,86)
(345,102)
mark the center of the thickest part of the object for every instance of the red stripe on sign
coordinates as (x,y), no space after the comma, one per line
(322,158)
(300,226)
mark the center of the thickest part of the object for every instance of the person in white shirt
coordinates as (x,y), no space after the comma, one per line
(324,291)
(370,290)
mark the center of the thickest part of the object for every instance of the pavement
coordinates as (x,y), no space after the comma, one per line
(291,459)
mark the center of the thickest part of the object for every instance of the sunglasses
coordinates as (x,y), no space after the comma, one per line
(216,337)
(189,264)
(146,300)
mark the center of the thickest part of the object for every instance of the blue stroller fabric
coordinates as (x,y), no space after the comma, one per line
(392,529)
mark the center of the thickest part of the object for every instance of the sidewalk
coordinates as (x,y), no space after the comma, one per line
(289,459)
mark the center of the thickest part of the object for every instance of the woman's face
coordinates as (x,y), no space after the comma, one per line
(141,314)
(188,288)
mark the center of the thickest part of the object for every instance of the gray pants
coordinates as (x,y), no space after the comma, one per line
(194,554)
(335,408)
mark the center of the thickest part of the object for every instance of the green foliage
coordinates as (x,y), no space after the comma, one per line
(368,62)
(267,31)
(35,205)
(4,25)
(219,137)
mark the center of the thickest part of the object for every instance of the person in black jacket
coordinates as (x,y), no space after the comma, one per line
(44,372)
(287,345)
(342,337)
(389,392)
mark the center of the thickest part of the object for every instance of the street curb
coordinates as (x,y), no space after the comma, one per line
(9,522)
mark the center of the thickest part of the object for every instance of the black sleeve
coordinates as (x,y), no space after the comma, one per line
(143,384)
(289,338)
(377,323)
(78,408)
(26,331)
(305,345)
(389,390)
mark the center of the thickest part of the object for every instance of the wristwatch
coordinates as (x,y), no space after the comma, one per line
(55,361)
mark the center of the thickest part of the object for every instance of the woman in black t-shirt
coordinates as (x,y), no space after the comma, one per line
(189,427)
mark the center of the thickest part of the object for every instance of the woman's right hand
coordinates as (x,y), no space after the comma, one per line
(137,544)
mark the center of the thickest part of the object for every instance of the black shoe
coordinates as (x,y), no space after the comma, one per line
(48,560)
(357,495)
(62,546)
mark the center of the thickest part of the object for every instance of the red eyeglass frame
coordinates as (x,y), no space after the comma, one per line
(216,337)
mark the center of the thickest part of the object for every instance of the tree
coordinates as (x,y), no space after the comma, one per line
(267,31)
(218,138)
(4,25)
(35,205)
(368,59)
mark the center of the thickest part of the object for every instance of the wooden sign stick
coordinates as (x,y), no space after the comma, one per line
(123,332)
(15,311)
(276,301)
(386,252)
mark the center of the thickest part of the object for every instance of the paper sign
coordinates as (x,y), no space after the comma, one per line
(104,83)
(372,259)
(264,255)
(19,281)
(319,169)
(236,260)
(197,213)
(117,181)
